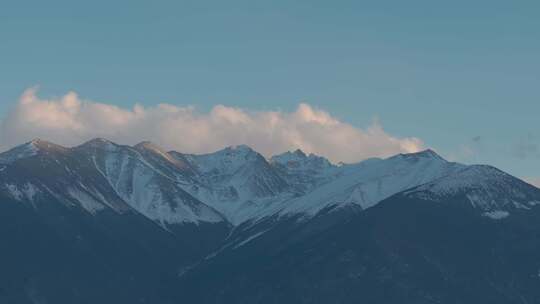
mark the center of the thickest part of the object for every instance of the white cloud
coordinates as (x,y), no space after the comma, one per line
(69,121)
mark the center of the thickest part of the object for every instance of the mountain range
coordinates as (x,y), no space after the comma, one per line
(110,223)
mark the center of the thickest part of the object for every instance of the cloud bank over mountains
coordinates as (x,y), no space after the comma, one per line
(70,120)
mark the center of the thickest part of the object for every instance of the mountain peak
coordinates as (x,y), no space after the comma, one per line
(428,153)
(237,151)
(298,159)
(424,154)
(97,142)
(299,153)
(148,146)
(41,144)
(485,187)
(29,149)
(35,141)
(240,148)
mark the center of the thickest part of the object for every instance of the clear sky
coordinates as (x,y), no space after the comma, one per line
(462,76)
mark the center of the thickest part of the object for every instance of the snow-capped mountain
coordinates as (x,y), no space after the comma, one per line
(235,227)
(304,172)
(24,151)
(236,184)
(40,171)
(366,183)
(425,234)
(489,190)
(148,180)
(246,187)
(238,181)
(101,175)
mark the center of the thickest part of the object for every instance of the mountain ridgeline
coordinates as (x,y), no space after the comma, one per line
(109,223)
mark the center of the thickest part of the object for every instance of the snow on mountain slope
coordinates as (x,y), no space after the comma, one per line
(24,151)
(150,186)
(491,191)
(178,168)
(368,182)
(50,173)
(27,150)
(240,172)
(304,172)
(240,181)
(237,184)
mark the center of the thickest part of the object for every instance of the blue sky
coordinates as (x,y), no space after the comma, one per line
(462,76)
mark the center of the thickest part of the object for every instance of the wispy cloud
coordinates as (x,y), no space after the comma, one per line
(69,120)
